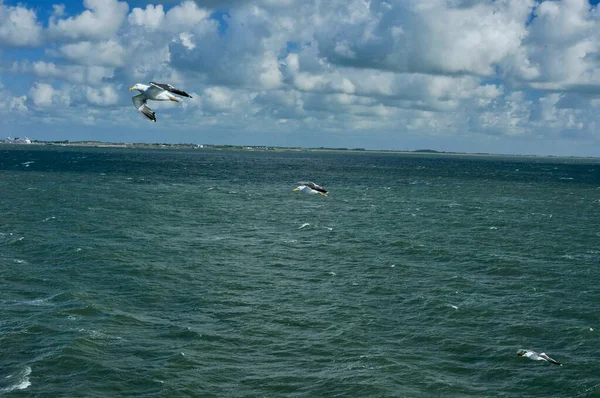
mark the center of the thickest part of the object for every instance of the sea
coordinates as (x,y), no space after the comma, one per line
(201,273)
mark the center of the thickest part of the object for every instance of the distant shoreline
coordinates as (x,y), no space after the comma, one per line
(139,145)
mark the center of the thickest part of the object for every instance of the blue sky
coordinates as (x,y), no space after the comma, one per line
(504,76)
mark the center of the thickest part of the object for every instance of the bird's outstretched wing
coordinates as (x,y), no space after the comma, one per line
(547,358)
(139,101)
(314,186)
(171,89)
(153,92)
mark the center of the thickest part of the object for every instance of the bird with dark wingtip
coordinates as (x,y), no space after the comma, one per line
(537,357)
(311,188)
(155,92)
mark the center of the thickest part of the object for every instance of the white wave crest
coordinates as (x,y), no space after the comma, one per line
(22,383)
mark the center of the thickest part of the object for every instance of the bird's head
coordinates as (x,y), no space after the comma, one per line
(135,87)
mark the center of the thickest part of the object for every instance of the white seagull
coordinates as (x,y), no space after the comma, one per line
(310,187)
(537,357)
(156,92)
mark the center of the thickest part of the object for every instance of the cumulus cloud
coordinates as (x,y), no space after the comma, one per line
(105,53)
(103,96)
(431,37)
(101,20)
(245,54)
(180,17)
(44,95)
(75,74)
(185,15)
(58,10)
(218,99)
(151,18)
(19,26)
(187,40)
(563,44)
(18,104)
(155,35)
(12,103)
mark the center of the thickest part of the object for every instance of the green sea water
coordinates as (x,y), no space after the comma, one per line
(200,273)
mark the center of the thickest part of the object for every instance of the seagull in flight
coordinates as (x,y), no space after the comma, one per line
(537,357)
(155,92)
(310,187)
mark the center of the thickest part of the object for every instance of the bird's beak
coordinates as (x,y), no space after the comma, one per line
(295,189)
(132,88)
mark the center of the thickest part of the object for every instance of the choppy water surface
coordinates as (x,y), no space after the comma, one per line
(200,273)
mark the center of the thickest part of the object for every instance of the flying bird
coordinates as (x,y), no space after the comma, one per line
(537,357)
(155,92)
(310,187)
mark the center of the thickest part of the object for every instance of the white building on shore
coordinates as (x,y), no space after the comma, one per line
(17,140)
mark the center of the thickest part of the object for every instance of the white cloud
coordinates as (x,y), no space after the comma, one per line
(101,20)
(218,99)
(146,58)
(76,74)
(44,95)
(104,96)
(12,103)
(19,26)
(154,36)
(561,22)
(270,76)
(187,40)
(423,37)
(564,46)
(152,17)
(106,53)
(18,104)
(185,15)
(58,10)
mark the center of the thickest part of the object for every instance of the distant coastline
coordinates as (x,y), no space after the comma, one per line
(141,145)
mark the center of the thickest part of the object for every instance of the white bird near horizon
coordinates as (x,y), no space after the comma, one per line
(155,92)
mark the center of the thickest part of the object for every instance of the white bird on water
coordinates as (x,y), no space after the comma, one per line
(311,188)
(537,357)
(155,92)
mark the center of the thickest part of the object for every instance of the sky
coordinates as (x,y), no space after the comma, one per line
(495,76)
